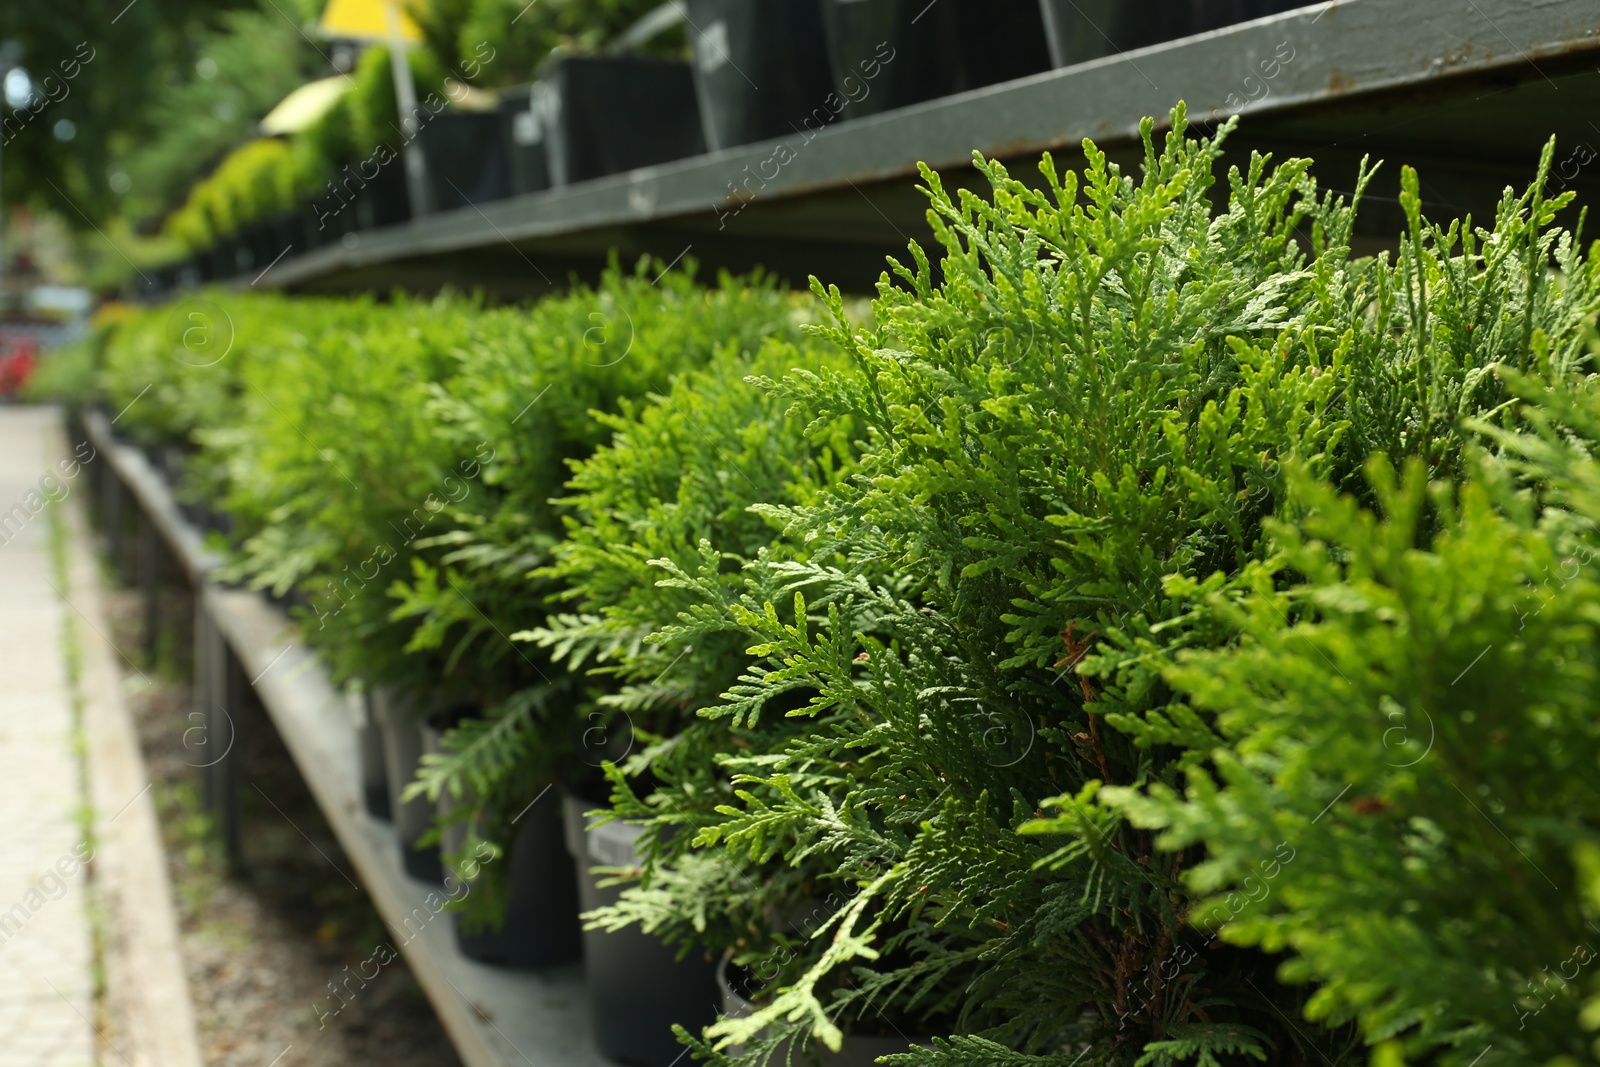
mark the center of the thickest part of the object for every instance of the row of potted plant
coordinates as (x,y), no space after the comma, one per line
(759,71)
(1044,665)
(518,396)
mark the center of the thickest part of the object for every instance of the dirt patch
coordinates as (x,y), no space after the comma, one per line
(264,945)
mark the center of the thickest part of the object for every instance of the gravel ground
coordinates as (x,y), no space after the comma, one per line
(262,945)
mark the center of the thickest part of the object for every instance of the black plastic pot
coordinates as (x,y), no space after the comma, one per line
(611,114)
(522,130)
(173,464)
(370,753)
(1081,30)
(466,159)
(211,261)
(257,240)
(779,43)
(301,228)
(541,926)
(1000,40)
(163,280)
(288,232)
(857,1050)
(384,200)
(229,257)
(326,219)
(315,229)
(258,244)
(252,240)
(265,239)
(637,987)
(891,53)
(191,270)
(401,719)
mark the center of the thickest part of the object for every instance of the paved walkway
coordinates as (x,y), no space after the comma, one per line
(46,995)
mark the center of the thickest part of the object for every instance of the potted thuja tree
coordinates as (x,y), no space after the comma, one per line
(659,532)
(522,910)
(585,380)
(400,714)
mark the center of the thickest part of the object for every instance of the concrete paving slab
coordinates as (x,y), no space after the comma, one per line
(46,985)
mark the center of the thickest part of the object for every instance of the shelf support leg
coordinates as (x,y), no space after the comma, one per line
(151,553)
(214,738)
(235,692)
(111,514)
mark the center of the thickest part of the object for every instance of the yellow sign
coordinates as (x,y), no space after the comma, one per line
(368,20)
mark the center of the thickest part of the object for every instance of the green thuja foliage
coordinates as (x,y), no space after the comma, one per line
(391,470)
(307,422)
(1064,419)
(668,509)
(1421,345)
(162,390)
(1422,732)
(172,375)
(658,524)
(336,473)
(534,386)
(538,388)
(1461,304)
(366,451)
(667,521)
(1095,402)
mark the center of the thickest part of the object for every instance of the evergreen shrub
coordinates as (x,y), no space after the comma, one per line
(1411,706)
(393,468)
(1068,439)
(1024,671)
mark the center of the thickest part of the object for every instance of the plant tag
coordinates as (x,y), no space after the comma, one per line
(526,128)
(711,50)
(614,844)
(355,702)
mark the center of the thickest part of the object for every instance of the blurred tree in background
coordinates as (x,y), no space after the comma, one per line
(141,98)
(128,108)
(243,68)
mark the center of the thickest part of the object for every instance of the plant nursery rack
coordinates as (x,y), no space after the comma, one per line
(495,1017)
(1466,90)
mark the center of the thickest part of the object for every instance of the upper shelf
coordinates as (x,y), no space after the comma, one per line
(1473,86)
